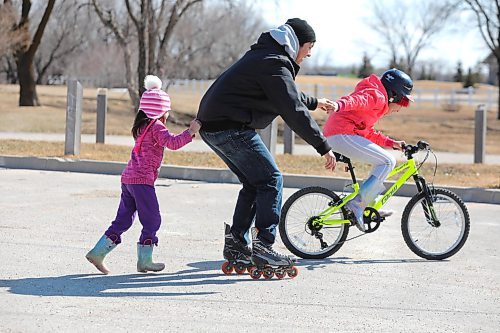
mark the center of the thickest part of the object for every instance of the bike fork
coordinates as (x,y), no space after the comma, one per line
(427,203)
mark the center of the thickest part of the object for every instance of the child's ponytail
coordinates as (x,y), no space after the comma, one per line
(140,120)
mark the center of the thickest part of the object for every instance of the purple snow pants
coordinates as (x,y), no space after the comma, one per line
(141,199)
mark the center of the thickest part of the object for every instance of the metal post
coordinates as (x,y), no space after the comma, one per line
(102,107)
(288,140)
(73,136)
(270,135)
(480,134)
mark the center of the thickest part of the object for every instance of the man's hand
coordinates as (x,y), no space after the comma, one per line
(331,161)
(327,105)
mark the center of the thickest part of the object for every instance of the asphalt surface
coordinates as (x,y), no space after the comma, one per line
(200,146)
(374,283)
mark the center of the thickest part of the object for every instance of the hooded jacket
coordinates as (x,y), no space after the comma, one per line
(144,163)
(359,111)
(258,88)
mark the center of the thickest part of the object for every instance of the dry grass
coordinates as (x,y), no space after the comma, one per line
(444,130)
(425,122)
(484,176)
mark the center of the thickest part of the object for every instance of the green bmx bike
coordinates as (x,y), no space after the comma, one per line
(435,223)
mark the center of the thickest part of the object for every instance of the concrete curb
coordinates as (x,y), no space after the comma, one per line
(221,176)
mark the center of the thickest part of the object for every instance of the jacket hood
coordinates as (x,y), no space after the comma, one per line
(285,36)
(266,41)
(372,82)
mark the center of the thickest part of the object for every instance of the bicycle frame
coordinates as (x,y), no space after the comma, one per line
(409,168)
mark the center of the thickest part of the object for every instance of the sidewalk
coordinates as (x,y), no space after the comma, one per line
(199,146)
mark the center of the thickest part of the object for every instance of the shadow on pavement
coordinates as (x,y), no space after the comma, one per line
(312,264)
(98,285)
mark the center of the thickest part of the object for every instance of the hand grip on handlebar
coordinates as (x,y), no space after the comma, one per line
(422,145)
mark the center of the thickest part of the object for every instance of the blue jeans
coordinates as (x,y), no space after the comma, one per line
(246,155)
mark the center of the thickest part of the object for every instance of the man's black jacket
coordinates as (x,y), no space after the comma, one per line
(256,89)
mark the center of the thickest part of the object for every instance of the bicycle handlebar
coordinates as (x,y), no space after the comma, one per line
(409,150)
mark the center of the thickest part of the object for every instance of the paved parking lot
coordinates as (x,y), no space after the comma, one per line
(49,220)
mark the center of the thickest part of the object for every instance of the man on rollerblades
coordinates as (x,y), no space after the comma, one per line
(248,96)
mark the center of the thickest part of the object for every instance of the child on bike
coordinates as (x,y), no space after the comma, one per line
(350,131)
(137,180)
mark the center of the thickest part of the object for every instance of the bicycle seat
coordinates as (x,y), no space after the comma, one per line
(341,158)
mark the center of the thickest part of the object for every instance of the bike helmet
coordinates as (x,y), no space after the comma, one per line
(398,85)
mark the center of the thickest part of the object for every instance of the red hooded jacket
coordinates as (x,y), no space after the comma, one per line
(359,111)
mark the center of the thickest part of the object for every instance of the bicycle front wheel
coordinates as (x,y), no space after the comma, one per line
(443,240)
(298,233)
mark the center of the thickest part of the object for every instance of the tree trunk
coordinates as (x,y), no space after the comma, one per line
(498,78)
(131,87)
(26,77)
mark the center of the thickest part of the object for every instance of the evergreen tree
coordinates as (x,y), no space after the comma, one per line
(459,76)
(366,67)
(423,74)
(470,79)
(398,64)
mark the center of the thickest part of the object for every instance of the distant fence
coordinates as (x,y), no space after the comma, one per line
(434,97)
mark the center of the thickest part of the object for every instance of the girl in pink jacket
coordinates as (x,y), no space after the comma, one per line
(138,192)
(349,130)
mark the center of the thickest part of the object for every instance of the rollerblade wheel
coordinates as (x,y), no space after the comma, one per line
(293,272)
(268,274)
(280,275)
(227,268)
(255,273)
(240,269)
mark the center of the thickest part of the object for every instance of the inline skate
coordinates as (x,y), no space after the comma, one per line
(269,262)
(237,254)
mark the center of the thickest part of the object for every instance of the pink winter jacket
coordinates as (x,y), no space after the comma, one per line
(142,167)
(359,111)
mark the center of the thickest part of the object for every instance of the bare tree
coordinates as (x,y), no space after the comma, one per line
(69,33)
(487,13)
(406,29)
(202,53)
(154,24)
(24,52)
(8,38)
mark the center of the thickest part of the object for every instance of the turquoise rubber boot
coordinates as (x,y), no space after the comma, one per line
(145,259)
(98,253)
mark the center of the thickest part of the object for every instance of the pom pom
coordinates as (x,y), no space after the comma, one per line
(152,82)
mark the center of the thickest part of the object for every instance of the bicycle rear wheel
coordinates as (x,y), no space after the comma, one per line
(435,242)
(296,229)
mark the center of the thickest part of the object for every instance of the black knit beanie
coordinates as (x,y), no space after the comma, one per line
(303,30)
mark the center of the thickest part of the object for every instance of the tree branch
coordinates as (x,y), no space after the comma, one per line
(480,13)
(131,14)
(37,38)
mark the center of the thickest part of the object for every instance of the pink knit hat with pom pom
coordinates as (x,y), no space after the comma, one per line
(154,101)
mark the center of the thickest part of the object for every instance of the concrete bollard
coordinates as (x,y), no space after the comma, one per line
(102,107)
(480,134)
(73,135)
(288,140)
(270,136)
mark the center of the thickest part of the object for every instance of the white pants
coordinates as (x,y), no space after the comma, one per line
(360,149)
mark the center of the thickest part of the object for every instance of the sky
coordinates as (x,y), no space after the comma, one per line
(343,36)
